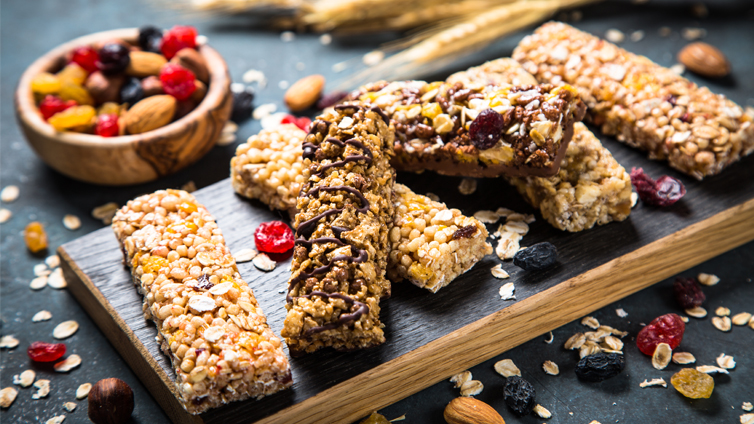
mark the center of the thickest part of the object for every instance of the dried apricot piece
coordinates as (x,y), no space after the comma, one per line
(693,384)
(35,237)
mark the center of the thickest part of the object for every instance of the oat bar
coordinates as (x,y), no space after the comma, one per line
(433,126)
(431,263)
(341,250)
(641,103)
(590,188)
(209,323)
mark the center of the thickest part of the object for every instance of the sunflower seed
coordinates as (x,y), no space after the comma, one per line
(661,358)
(487,217)
(68,363)
(83,390)
(52,261)
(9,194)
(551,368)
(69,406)
(575,341)
(40,270)
(726,361)
(467,186)
(721,323)
(747,419)
(697,312)
(542,412)
(7,396)
(711,369)
(65,329)
(56,279)
(590,322)
(5,215)
(105,212)
(72,222)
(741,319)
(653,382)
(747,406)
(683,358)
(263,262)
(460,378)
(471,388)
(507,368)
(634,199)
(25,378)
(499,272)
(244,255)
(621,313)
(8,342)
(43,389)
(56,420)
(722,311)
(38,283)
(707,279)
(41,316)
(506,292)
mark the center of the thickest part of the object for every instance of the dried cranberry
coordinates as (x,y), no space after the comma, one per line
(273,237)
(486,129)
(667,328)
(150,38)
(51,105)
(177,81)
(331,99)
(113,58)
(688,293)
(45,352)
(107,125)
(177,38)
(663,192)
(302,122)
(86,57)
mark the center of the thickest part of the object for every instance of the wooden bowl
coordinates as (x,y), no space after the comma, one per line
(129,159)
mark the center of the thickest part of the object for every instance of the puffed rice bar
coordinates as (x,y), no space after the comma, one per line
(432,122)
(341,249)
(641,103)
(591,186)
(209,322)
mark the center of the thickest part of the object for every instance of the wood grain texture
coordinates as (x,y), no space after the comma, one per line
(430,337)
(130,159)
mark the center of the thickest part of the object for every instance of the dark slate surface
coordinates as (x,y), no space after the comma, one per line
(28,29)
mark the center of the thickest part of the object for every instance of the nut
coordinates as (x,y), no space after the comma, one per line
(111,401)
(198,95)
(304,93)
(150,113)
(104,88)
(194,62)
(467,410)
(705,60)
(144,64)
(152,86)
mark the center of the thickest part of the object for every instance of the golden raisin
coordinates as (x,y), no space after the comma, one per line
(72,117)
(71,91)
(187,207)
(45,83)
(35,237)
(109,108)
(693,384)
(72,73)
(154,264)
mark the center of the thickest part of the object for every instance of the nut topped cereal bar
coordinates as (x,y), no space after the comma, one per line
(641,103)
(476,131)
(341,251)
(209,323)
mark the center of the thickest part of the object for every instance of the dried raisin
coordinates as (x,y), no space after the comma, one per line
(243,105)
(75,116)
(667,328)
(73,74)
(688,293)
(519,395)
(486,129)
(600,366)
(537,257)
(375,418)
(45,83)
(663,192)
(77,93)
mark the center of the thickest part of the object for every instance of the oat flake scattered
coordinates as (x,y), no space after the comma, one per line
(693,33)
(747,419)
(653,382)
(590,322)
(637,36)
(52,261)
(41,270)
(487,217)
(575,341)
(7,396)
(685,319)
(8,342)
(697,312)
(721,323)
(56,420)
(9,194)
(460,378)
(43,389)
(741,319)
(683,358)
(287,36)
(340,67)
(105,212)
(254,75)
(56,279)
(708,279)
(200,303)
(661,358)
(542,412)
(68,363)
(71,222)
(747,406)
(711,369)
(226,139)
(25,378)
(499,272)
(65,329)
(678,69)
(725,361)
(722,311)
(506,292)
(471,388)
(621,313)
(38,283)
(550,338)
(263,262)
(83,390)
(615,36)
(551,368)
(507,368)
(244,255)
(5,215)
(665,31)
(634,199)
(467,186)
(508,244)
(70,406)
(264,110)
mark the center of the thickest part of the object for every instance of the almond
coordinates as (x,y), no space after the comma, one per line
(467,410)
(705,60)
(144,64)
(150,113)
(304,93)
(193,61)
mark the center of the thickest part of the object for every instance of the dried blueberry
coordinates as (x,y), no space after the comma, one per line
(536,257)
(600,366)
(150,38)
(663,192)
(486,129)
(519,395)
(113,58)
(688,293)
(243,105)
(131,92)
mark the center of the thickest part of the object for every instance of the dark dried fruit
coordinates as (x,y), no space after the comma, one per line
(203,282)
(519,395)
(688,293)
(464,232)
(667,328)
(150,38)
(331,99)
(113,58)
(243,105)
(600,366)
(486,129)
(536,257)
(131,92)
(107,125)
(663,192)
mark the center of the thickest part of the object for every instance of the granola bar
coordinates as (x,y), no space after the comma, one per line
(341,250)
(432,264)
(590,188)
(433,126)
(641,103)
(209,323)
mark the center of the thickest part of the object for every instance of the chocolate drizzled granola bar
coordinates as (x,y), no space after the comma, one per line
(209,323)
(438,126)
(641,103)
(341,250)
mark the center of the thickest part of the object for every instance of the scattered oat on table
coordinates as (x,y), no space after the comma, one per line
(264,110)
(68,363)
(83,390)
(722,311)
(507,368)
(189,187)
(621,313)
(722,323)
(711,369)
(590,322)
(38,283)
(254,75)
(634,199)
(697,312)
(105,212)
(25,379)
(708,279)
(637,36)
(683,358)
(5,215)
(693,33)
(550,338)
(460,378)
(65,329)
(615,36)
(52,261)
(7,396)
(467,186)
(678,69)
(8,342)
(741,319)
(56,280)
(244,255)
(372,58)
(575,341)
(43,389)
(70,406)
(471,388)
(653,382)
(662,356)
(263,262)
(551,368)
(9,194)
(725,361)
(506,292)
(56,420)
(71,222)
(542,412)
(747,406)
(487,217)
(747,419)
(685,319)
(226,139)
(499,272)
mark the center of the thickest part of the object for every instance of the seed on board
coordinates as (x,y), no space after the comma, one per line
(43,389)
(721,323)
(5,215)
(56,280)
(41,316)
(653,382)
(621,313)
(542,412)
(83,390)
(467,186)
(9,193)
(460,378)
(41,270)
(507,368)
(575,341)
(25,378)
(471,388)
(590,322)
(56,420)
(683,358)
(65,329)
(722,311)
(244,255)
(726,361)
(661,358)
(68,363)
(747,406)
(697,312)
(38,283)
(707,279)
(551,368)
(741,319)
(263,262)
(8,342)
(499,272)
(72,222)
(506,292)
(7,396)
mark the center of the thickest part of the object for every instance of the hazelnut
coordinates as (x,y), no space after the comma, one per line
(193,61)
(183,108)
(111,401)
(152,86)
(104,88)
(198,95)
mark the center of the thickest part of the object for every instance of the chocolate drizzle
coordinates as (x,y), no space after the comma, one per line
(343,318)
(357,256)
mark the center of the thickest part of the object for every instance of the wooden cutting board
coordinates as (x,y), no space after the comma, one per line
(429,336)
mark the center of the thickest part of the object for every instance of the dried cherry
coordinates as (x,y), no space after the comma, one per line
(519,395)
(667,328)
(107,125)
(486,129)
(663,192)
(177,81)
(45,352)
(51,105)
(600,366)
(273,237)
(177,38)
(688,293)
(536,257)
(113,58)
(86,57)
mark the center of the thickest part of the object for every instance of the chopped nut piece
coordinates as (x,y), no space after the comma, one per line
(621,313)
(263,262)
(56,279)
(56,420)
(72,222)
(551,368)
(460,378)
(697,312)
(711,369)
(542,412)
(507,368)
(708,279)
(41,316)
(65,329)
(68,363)
(683,358)
(7,396)
(653,382)
(9,193)
(741,319)
(5,215)
(726,361)
(661,358)
(25,378)
(467,186)
(8,342)
(506,292)
(499,272)
(471,388)
(722,311)
(575,341)
(38,283)
(590,322)
(245,255)
(83,390)
(43,389)
(721,323)
(70,406)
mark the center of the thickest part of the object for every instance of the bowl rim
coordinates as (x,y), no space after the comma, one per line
(27,110)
